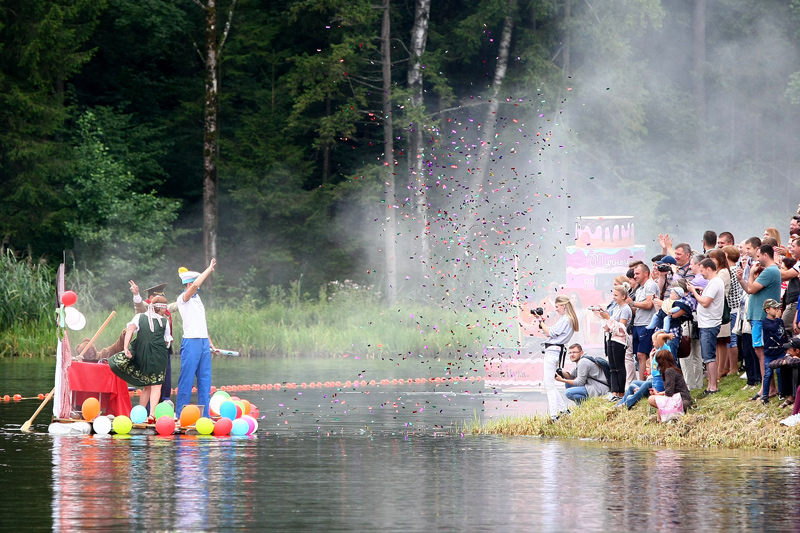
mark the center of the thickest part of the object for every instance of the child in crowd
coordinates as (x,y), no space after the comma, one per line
(662,319)
(774,339)
(673,384)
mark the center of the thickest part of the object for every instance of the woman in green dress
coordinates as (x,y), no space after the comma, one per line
(143,361)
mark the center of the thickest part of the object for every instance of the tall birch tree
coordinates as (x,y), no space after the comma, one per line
(389,229)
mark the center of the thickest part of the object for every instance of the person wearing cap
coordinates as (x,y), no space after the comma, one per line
(141,306)
(196,346)
(793,350)
(774,339)
(664,267)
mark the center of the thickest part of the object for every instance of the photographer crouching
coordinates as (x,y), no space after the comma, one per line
(588,378)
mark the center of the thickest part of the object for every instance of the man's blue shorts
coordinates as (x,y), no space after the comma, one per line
(642,339)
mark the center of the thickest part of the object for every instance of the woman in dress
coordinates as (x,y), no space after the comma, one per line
(557,338)
(143,359)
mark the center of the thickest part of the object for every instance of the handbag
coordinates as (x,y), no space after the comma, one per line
(685,347)
(670,407)
(726,312)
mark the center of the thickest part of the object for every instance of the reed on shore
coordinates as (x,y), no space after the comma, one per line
(723,420)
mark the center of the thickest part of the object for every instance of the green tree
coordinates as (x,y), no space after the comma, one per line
(42,44)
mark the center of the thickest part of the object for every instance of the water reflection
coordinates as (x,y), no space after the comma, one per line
(411,483)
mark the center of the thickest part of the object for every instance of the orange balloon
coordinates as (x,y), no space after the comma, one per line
(247,407)
(90,408)
(189,415)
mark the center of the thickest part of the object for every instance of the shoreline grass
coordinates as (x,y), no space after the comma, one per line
(723,420)
(330,329)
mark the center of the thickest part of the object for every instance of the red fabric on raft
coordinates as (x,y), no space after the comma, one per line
(89,379)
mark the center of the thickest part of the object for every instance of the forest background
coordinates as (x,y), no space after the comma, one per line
(397,156)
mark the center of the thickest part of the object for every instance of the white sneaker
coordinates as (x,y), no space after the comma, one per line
(743,376)
(791,421)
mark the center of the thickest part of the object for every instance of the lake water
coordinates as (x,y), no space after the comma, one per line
(374,458)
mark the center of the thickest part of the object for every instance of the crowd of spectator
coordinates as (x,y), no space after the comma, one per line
(693,317)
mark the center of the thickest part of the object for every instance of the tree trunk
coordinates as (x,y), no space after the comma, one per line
(210,137)
(416,154)
(389,229)
(487,141)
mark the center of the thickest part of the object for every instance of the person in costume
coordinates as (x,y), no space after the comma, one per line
(141,306)
(143,360)
(195,345)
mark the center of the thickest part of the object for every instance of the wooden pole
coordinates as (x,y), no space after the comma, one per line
(99,331)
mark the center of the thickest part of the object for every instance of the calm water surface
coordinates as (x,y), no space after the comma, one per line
(370,459)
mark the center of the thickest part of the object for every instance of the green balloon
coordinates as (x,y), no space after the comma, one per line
(122,425)
(164,409)
(222,393)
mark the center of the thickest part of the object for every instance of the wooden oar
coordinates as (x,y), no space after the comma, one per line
(99,331)
(26,427)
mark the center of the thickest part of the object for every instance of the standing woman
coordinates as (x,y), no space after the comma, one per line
(616,328)
(557,338)
(724,367)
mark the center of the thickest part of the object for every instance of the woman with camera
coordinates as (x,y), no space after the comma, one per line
(616,319)
(558,335)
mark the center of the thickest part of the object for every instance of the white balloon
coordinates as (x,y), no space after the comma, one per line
(74,319)
(102,425)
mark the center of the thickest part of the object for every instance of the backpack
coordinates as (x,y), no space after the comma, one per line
(604,366)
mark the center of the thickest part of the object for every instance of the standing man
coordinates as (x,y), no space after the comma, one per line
(763,282)
(709,319)
(643,306)
(195,346)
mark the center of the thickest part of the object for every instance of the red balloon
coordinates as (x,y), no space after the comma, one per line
(165,426)
(254,412)
(69,298)
(223,427)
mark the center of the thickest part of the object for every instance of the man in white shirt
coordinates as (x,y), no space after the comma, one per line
(644,308)
(709,319)
(195,345)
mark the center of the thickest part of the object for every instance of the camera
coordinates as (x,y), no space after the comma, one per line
(663,268)
(538,311)
(594,308)
(560,372)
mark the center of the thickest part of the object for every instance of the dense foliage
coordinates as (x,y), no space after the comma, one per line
(600,112)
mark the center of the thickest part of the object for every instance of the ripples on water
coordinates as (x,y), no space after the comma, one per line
(371,471)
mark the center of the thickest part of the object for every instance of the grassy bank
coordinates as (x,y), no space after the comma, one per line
(723,420)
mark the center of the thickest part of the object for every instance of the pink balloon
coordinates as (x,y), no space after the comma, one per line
(165,426)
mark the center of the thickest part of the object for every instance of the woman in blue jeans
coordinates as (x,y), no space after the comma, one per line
(641,389)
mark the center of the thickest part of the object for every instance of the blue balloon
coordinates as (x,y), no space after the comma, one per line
(228,410)
(240,427)
(138,414)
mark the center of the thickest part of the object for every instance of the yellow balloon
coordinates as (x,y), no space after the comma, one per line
(204,426)
(122,425)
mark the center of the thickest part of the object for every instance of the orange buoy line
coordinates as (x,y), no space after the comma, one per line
(294,385)
(332,384)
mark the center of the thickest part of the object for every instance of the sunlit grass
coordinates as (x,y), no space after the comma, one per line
(723,420)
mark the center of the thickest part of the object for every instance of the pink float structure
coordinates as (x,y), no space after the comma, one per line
(603,248)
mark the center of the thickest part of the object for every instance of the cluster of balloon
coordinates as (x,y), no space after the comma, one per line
(239,413)
(90,408)
(71,316)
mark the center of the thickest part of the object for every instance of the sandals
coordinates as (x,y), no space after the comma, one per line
(786,403)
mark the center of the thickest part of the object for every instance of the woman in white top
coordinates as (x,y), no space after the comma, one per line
(558,336)
(615,325)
